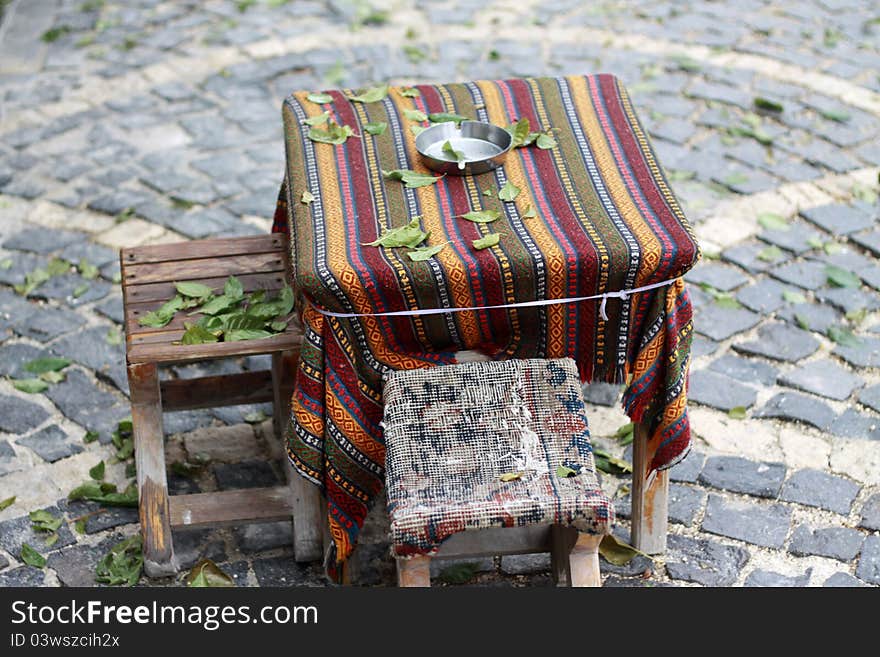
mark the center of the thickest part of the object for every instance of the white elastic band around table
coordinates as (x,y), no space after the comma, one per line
(620,294)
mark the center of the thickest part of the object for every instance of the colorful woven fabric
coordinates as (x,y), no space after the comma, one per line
(453,432)
(604,220)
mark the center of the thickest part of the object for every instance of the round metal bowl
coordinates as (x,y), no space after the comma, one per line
(482,147)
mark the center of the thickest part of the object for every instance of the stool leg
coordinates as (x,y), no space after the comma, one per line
(308,507)
(149,451)
(584,561)
(649,499)
(414,572)
(562,539)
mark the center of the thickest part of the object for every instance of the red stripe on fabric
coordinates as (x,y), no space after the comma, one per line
(669,230)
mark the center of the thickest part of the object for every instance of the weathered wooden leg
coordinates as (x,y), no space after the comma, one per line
(561,541)
(149,451)
(308,507)
(414,572)
(649,499)
(584,561)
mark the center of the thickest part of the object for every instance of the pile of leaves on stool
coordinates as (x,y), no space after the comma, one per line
(228,317)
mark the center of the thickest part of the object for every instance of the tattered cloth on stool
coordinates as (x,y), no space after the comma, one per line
(457,437)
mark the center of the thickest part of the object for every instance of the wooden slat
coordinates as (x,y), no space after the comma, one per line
(215,391)
(187,270)
(159,293)
(162,351)
(231,507)
(649,498)
(497,540)
(211,248)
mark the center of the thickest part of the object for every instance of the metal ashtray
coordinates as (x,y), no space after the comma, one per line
(469,148)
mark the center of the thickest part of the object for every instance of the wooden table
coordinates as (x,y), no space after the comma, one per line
(590,214)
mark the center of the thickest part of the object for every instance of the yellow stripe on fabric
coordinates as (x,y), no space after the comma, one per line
(382,219)
(607,164)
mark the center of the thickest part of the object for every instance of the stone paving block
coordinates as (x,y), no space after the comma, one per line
(704,561)
(763,297)
(92,348)
(849,300)
(194,544)
(871,513)
(603,394)
(841,543)
(838,218)
(820,489)
(746,256)
(719,323)
(20,264)
(701,346)
(869,239)
(746,370)
(824,378)
(88,405)
(798,239)
(40,240)
(24,577)
(284,571)
(741,475)
(18,415)
(248,474)
(843,580)
(764,525)
(810,316)
(869,563)
(793,406)
(75,565)
(767,578)
(45,323)
(259,537)
(51,443)
(525,564)
(685,503)
(852,424)
(780,341)
(721,277)
(688,469)
(865,354)
(807,274)
(17,531)
(13,358)
(719,391)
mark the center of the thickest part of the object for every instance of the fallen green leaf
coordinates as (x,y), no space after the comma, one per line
(857,316)
(446,117)
(409,235)
(815,242)
(90,436)
(307,197)
(105,493)
(768,105)
(375,128)
(482,216)
(32,280)
(371,95)
(47,364)
(410,92)
(97,472)
(255,417)
(839,277)
(208,574)
(457,156)
(843,336)
(422,253)
(616,552)
(8,502)
(53,377)
(802,321)
(486,241)
(417,129)
(195,334)
(237,335)
(625,433)
(114,336)
(519,132)
(610,464)
(5,264)
(772,221)
(318,119)
(193,290)
(217,305)
(123,564)
(770,254)
(488,192)
(545,141)
(510,476)
(530,213)
(43,521)
(832,247)
(31,557)
(415,115)
(839,116)
(411,179)
(793,297)
(30,386)
(509,192)
(87,270)
(457,574)
(51,540)
(564,472)
(320,99)
(725,300)
(333,134)
(57,267)
(737,413)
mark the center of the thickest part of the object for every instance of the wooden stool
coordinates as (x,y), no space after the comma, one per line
(148,277)
(487,458)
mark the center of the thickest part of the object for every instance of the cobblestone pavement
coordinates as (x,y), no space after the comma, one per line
(125,123)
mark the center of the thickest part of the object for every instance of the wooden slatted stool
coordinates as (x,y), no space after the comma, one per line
(149,275)
(477,461)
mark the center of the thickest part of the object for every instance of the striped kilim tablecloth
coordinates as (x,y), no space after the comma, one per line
(604,220)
